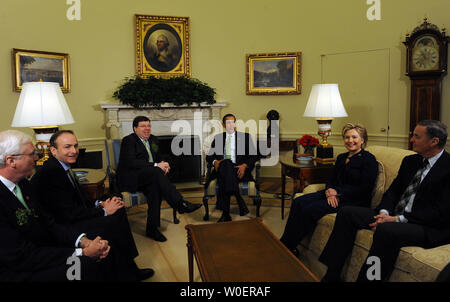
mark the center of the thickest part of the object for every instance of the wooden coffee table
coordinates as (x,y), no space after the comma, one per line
(242,251)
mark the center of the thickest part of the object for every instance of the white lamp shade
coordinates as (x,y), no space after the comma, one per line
(325,102)
(41,104)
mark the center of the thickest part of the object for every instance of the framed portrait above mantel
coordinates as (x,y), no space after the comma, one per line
(274,73)
(36,65)
(162,46)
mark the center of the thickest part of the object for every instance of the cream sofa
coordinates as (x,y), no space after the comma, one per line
(413,263)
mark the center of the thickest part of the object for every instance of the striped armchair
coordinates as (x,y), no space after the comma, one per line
(247,188)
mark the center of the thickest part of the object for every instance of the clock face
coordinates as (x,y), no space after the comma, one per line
(425,54)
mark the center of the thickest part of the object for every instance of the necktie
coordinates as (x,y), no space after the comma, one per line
(74,181)
(147,146)
(228,147)
(20,196)
(410,190)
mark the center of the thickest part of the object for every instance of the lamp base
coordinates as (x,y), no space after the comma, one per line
(43,135)
(325,152)
(325,161)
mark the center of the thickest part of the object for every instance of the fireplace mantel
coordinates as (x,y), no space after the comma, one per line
(203,120)
(119,117)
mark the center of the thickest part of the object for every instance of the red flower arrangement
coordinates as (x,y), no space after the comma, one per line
(308,140)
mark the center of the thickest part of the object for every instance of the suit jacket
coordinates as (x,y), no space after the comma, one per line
(356,179)
(431,206)
(31,244)
(245,152)
(134,158)
(59,198)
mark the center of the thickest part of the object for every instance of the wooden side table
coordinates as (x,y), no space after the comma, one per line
(93,182)
(303,175)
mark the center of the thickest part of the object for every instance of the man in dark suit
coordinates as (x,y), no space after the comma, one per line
(60,194)
(415,210)
(140,168)
(233,156)
(33,246)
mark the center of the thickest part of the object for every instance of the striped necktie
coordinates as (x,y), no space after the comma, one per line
(411,190)
(147,146)
(19,196)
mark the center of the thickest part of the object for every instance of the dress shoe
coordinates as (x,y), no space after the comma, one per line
(145,273)
(243,211)
(224,218)
(156,235)
(187,207)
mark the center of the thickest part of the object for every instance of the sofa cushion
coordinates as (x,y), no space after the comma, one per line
(379,188)
(391,159)
(423,264)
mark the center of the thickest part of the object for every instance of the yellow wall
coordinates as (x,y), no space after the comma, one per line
(102,52)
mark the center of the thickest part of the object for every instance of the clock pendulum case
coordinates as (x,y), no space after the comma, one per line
(426,65)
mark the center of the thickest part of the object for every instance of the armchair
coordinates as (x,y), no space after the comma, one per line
(246,188)
(130,198)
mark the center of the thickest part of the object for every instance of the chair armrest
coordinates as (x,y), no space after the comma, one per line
(310,189)
(313,188)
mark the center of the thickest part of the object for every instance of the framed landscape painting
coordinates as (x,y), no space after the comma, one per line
(162,46)
(274,73)
(35,65)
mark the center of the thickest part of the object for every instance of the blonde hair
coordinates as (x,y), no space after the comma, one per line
(359,128)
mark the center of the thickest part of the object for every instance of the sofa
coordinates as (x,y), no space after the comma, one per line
(414,264)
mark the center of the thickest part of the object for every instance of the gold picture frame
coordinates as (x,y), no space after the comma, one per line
(162,46)
(274,73)
(36,65)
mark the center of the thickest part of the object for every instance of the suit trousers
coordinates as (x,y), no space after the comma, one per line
(156,186)
(305,211)
(114,228)
(228,182)
(388,238)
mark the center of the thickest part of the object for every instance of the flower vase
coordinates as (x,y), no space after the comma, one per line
(309,150)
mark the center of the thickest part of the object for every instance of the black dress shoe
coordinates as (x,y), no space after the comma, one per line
(187,207)
(145,273)
(243,211)
(156,235)
(224,218)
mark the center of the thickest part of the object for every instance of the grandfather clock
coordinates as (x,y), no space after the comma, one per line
(426,65)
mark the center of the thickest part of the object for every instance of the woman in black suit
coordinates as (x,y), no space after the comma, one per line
(351,183)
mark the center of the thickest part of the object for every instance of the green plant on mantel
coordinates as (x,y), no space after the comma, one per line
(152,91)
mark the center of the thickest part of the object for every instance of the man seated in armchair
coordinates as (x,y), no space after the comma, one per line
(414,211)
(233,156)
(140,168)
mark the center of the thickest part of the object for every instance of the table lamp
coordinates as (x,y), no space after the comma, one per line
(42,107)
(325,104)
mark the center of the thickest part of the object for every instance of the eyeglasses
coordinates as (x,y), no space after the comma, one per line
(32,154)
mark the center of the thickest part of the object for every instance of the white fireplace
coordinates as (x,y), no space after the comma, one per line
(203,120)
